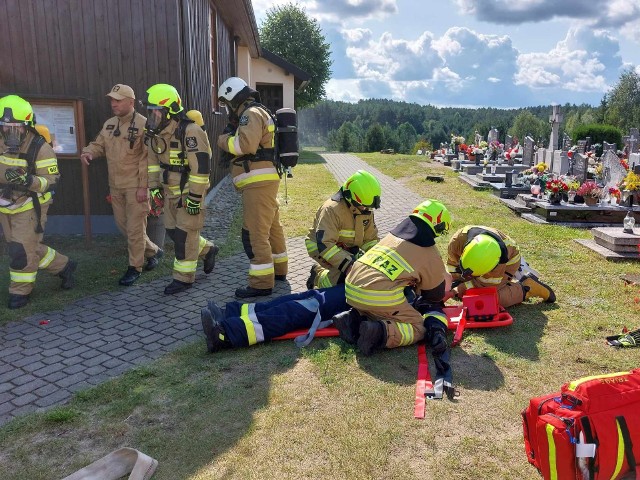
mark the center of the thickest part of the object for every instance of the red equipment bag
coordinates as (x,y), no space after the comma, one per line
(588,430)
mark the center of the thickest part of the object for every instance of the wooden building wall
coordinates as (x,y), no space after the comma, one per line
(81,48)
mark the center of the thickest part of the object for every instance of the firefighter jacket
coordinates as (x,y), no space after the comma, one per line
(507,265)
(252,146)
(339,232)
(43,171)
(401,259)
(121,141)
(183,168)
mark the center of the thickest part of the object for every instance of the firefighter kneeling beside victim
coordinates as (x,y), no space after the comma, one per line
(485,257)
(381,316)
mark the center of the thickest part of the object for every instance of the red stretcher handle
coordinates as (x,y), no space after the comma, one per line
(322,332)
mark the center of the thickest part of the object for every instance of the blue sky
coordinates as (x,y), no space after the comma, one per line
(473,53)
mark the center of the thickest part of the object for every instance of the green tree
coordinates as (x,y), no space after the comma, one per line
(348,138)
(374,140)
(290,33)
(406,137)
(623,102)
(525,124)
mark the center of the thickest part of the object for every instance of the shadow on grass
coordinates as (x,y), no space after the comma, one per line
(310,158)
(522,337)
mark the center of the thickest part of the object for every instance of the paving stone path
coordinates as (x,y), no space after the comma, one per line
(102,336)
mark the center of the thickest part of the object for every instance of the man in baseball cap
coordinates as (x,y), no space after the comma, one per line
(121,91)
(121,141)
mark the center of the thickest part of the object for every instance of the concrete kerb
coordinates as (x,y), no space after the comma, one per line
(102,336)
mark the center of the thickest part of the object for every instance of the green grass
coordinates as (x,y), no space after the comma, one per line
(272,411)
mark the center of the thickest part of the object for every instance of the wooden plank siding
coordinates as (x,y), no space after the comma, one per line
(78,49)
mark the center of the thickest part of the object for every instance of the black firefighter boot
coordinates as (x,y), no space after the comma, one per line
(152,262)
(67,274)
(248,292)
(176,286)
(373,337)
(17,301)
(213,330)
(348,325)
(129,277)
(210,259)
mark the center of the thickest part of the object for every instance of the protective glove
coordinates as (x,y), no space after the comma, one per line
(225,158)
(192,206)
(630,339)
(230,128)
(156,200)
(17,176)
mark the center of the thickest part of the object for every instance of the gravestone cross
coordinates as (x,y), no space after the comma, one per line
(527,155)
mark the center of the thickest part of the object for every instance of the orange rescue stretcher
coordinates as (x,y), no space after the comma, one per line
(479,309)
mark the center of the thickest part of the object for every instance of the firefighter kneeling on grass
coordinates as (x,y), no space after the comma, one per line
(344,228)
(381,316)
(485,257)
(28,170)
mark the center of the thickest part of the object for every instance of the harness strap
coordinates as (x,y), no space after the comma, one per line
(32,153)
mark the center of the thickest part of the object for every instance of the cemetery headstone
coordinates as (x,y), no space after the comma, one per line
(608,146)
(560,164)
(527,155)
(493,135)
(634,140)
(580,165)
(582,146)
(612,169)
(508,142)
(555,119)
(566,142)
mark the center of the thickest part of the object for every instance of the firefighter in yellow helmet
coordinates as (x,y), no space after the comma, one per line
(28,172)
(179,159)
(375,287)
(251,143)
(343,229)
(121,142)
(485,257)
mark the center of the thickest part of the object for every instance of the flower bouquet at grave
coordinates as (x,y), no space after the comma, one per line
(630,185)
(624,163)
(556,188)
(590,191)
(540,168)
(614,195)
(483,144)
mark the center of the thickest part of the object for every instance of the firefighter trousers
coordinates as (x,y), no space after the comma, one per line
(262,235)
(184,230)
(510,294)
(246,324)
(131,218)
(27,253)
(404,324)
(327,277)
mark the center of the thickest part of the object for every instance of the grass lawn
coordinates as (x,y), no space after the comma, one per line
(273,411)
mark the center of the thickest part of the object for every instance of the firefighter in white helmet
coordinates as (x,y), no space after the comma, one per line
(250,140)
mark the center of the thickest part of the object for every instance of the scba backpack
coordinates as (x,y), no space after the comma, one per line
(588,430)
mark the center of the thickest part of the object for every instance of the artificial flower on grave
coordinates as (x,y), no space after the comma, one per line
(624,163)
(589,189)
(631,182)
(556,185)
(614,192)
(457,140)
(540,167)
(598,170)
(483,144)
(572,183)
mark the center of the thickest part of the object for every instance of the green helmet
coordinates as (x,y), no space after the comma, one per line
(163,95)
(16,114)
(15,109)
(362,189)
(434,214)
(480,255)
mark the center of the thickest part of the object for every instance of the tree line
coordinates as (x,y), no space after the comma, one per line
(376,124)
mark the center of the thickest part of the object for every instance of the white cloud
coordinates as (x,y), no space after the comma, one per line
(335,11)
(598,13)
(586,60)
